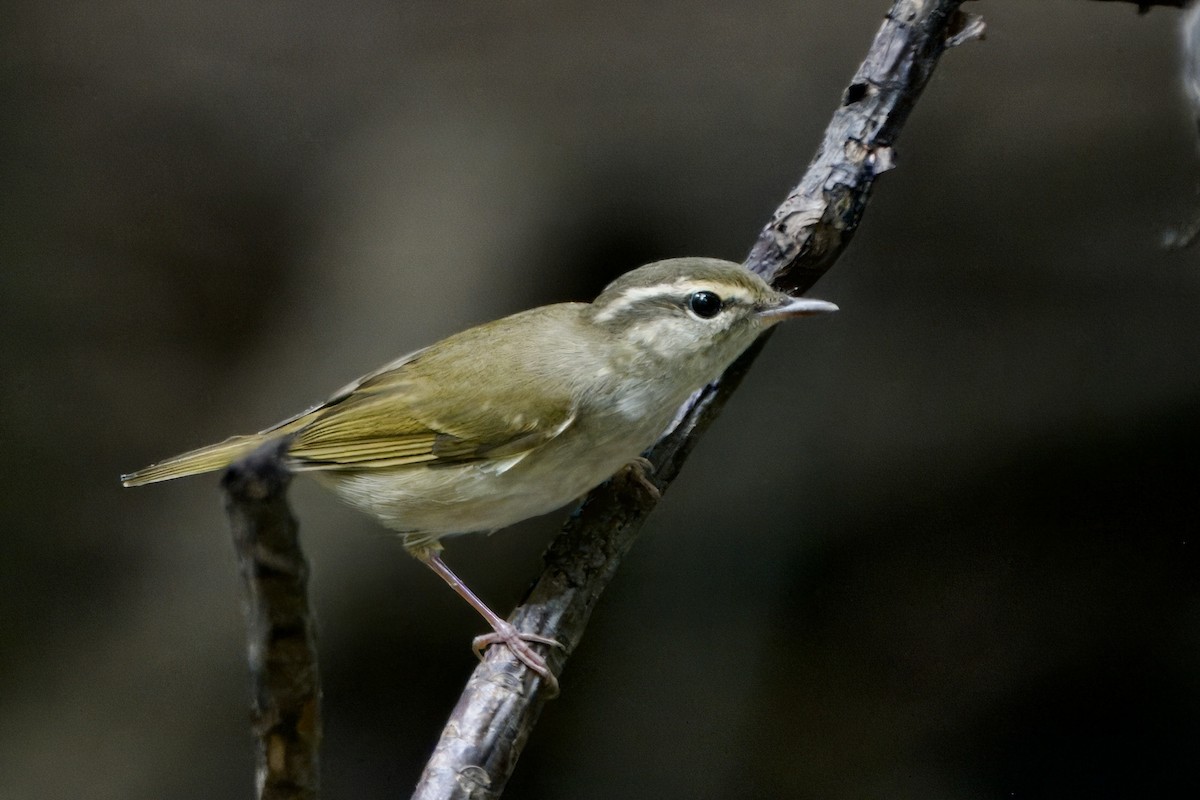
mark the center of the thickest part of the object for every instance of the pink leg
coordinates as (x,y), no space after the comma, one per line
(505,633)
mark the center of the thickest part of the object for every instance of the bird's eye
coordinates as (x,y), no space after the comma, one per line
(705,305)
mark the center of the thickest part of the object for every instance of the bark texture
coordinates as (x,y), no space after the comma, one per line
(280,632)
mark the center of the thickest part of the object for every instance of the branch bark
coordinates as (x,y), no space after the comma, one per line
(281,636)
(1143,6)
(494,716)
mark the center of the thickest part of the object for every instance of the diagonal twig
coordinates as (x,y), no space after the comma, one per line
(494,716)
(1143,6)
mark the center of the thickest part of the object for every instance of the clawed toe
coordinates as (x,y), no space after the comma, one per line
(519,644)
(640,469)
(482,642)
(504,632)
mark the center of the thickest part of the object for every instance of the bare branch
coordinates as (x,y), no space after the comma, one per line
(1145,5)
(281,637)
(493,718)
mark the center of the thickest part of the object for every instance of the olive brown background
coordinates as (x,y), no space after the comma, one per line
(941,545)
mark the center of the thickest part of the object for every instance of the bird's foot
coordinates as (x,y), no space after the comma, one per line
(519,644)
(640,469)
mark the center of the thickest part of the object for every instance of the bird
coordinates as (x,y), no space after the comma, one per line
(517,417)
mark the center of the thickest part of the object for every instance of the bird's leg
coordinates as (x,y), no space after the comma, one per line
(640,469)
(505,633)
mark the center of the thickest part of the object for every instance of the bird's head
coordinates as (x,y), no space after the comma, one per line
(698,311)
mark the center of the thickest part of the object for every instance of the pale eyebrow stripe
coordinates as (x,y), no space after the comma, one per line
(638,294)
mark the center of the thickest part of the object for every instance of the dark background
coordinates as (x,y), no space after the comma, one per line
(942,545)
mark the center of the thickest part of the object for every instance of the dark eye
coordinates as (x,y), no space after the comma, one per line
(705,304)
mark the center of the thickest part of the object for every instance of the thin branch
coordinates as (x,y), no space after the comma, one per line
(501,703)
(1144,6)
(281,637)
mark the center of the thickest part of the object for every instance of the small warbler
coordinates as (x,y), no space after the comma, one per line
(517,417)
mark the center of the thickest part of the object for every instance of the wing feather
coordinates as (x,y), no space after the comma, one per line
(483,394)
(410,414)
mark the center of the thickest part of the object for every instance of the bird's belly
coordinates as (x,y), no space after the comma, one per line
(430,502)
(475,497)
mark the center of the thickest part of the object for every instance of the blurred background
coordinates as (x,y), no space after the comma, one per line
(942,545)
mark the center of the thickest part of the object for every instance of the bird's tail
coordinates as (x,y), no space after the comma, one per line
(206,459)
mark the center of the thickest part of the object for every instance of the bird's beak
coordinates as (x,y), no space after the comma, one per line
(797,307)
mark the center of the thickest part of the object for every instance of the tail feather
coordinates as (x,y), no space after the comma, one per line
(205,459)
